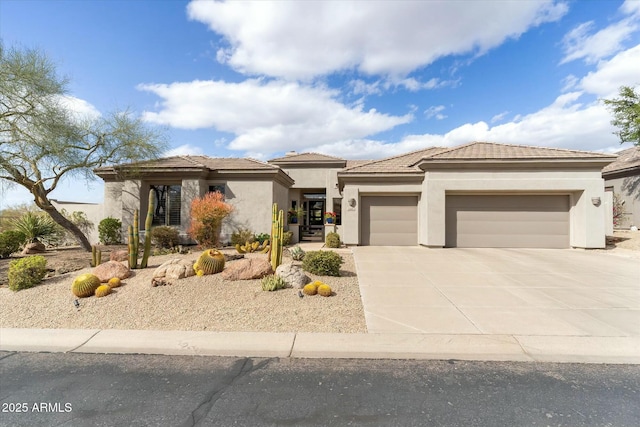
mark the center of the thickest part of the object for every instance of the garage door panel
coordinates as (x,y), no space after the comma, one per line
(507,221)
(393,226)
(389,220)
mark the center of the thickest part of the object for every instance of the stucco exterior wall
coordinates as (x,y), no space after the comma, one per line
(587,220)
(326,178)
(93,211)
(628,188)
(252,202)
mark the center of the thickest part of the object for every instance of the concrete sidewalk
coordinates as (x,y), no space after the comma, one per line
(618,350)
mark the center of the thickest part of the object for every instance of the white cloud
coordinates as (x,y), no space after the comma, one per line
(79,107)
(499,117)
(621,70)
(184,150)
(580,43)
(266,116)
(302,40)
(435,111)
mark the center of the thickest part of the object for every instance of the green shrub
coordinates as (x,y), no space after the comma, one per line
(332,240)
(262,237)
(242,236)
(286,238)
(110,231)
(322,263)
(27,272)
(10,241)
(164,237)
(38,227)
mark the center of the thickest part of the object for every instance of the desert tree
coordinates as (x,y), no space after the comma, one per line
(42,139)
(626,114)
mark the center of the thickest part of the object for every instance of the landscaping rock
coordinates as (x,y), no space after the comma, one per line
(293,275)
(177,268)
(34,248)
(121,255)
(247,269)
(111,269)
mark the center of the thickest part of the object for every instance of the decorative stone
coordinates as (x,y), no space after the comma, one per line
(177,268)
(111,269)
(293,275)
(247,269)
(34,248)
(120,255)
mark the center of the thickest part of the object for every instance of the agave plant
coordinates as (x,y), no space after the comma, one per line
(37,227)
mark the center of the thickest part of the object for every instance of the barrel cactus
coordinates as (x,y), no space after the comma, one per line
(103,291)
(310,289)
(210,262)
(114,282)
(85,285)
(324,290)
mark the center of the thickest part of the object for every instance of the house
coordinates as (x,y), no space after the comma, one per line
(622,177)
(475,195)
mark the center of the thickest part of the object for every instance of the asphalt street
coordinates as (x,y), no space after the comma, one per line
(54,389)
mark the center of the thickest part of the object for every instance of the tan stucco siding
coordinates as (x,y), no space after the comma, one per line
(93,211)
(252,202)
(628,188)
(587,220)
(326,178)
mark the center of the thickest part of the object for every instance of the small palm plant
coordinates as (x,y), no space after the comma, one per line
(37,228)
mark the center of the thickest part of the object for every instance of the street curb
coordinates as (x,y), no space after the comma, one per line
(563,349)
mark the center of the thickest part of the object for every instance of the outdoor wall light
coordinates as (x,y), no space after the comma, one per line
(596,201)
(352,202)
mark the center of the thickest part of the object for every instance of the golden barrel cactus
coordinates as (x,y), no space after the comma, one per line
(114,282)
(210,262)
(324,290)
(103,291)
(85,285)
(310,289)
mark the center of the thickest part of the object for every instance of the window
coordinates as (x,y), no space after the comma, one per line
(168,203)
(217,187)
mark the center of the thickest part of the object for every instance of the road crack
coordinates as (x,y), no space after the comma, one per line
(240,369)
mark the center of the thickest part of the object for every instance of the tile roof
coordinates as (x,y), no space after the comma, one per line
(202,162)
(494,151)
(627,159)
(306,157)
(397,164)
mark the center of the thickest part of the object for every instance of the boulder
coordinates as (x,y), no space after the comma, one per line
(293,275)
(247,269)
(177,268)
(34,248)
(111,269)
(120,255)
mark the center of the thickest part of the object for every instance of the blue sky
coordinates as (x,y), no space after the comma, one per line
(356,80)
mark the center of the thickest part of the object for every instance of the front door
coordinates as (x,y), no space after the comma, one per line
(316,212)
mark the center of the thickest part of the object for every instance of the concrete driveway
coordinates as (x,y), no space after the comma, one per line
(538,292)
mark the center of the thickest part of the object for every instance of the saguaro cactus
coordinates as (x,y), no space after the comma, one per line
(147,229)
(277,230)
(96,256)
(133,241)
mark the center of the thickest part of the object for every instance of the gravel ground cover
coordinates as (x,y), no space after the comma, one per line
(194,304)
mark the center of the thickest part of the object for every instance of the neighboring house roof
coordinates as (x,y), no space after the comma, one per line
(398,164)
(494,151)
(294,157)
(628,162)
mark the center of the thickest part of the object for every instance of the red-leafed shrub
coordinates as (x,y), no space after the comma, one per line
(207,213)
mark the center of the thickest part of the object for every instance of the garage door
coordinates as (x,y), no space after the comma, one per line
(389,220)
(487,221)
